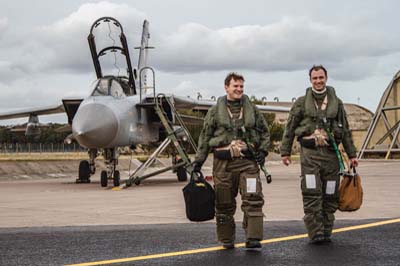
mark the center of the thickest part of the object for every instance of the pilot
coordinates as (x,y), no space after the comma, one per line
(311,118)
(228,126)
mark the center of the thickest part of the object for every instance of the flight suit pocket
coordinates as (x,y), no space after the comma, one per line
(310,183)
(223,189)
(250,184)
(253,225)
(331,188)
(223,196)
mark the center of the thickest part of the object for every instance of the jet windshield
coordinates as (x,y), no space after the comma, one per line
(108,87)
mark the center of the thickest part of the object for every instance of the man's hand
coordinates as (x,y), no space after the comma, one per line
(260,157)
(197,167)
(354,162)
(286,160)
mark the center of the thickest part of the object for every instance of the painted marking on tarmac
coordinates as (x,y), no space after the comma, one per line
(210,249)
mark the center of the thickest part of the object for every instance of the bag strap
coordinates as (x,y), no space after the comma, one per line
(335,147)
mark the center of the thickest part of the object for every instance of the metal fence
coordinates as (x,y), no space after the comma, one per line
(40,147)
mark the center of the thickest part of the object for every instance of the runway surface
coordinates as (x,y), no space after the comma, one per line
(53,221)
(194,244)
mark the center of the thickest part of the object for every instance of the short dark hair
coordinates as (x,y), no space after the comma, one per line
(316,68)
(234,76)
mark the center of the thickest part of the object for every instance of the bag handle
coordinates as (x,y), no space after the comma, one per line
(354,169)
(354,174)
(197,176)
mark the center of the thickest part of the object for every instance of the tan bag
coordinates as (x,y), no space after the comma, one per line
(350,192)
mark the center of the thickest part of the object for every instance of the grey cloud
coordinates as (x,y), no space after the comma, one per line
(288,45)
(10,71)
(354,68)
(62,46)
(3,25)
(68,37)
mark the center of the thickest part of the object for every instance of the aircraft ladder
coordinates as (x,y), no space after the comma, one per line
(172,137)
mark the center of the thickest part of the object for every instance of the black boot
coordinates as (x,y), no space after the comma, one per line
(317,239)
(253,243)
(327,238)
(228,245)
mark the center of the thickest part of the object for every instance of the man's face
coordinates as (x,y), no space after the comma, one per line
(318,79)
(235,90)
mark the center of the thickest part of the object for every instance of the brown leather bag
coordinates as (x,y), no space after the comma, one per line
(350,192)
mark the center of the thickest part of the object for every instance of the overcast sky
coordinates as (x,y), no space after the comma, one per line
(44,54)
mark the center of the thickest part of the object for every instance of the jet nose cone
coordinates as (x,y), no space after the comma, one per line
(94,125)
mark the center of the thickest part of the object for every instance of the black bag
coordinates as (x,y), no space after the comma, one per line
(199,199)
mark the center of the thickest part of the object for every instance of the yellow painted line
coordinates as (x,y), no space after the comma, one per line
(204,250)
(363,226)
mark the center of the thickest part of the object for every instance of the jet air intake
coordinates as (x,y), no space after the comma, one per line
(32,132)
(95,125)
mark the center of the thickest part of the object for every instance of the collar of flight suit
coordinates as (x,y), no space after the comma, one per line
(332,105)
(223,117)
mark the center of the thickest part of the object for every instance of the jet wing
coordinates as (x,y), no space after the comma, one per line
(203,105)
(55,109)
(192,120)
(185,103)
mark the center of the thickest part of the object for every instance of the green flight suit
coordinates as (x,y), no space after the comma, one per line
(319,165)
(233,176)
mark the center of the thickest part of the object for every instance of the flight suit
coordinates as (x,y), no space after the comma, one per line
(222,125)
(319,164)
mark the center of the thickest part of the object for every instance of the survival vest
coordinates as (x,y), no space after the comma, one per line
(226,131)
(312,118)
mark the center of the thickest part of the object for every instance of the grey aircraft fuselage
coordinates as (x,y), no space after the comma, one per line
(113,120)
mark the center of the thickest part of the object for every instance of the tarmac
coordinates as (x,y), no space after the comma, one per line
(53,221)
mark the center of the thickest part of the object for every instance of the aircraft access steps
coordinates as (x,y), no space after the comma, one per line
(176,133)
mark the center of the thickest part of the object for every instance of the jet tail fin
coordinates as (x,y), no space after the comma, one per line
(143,83)
(144,45)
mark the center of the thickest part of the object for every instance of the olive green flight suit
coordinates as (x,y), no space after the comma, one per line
(233,176)
(319,165)
(230,177)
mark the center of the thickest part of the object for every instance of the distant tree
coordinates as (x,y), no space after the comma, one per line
(48,135)
(276,131)
(5,134)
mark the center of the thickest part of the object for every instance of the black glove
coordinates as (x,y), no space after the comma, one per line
(260,157)
(247,154)
(197,167)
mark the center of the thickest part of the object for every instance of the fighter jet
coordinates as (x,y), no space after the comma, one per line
(124,110)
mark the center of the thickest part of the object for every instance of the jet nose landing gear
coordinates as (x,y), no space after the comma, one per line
(116,178)
(110,156)
(104,176)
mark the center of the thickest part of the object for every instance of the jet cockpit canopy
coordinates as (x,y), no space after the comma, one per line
(110,86)
(113,48)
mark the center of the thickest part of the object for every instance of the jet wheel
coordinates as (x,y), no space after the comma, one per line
(103,179)
(181,174)
(84,172)
(116,178)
